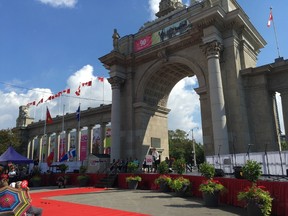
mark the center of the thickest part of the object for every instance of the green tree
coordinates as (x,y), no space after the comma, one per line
(10,137)
(181,147)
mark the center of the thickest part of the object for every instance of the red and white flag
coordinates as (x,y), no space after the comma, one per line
(31,103)
(78,91)
(50,98)
(39,102)
(67,91)
(49,119)
(100,79)
(270,18)
(87,83)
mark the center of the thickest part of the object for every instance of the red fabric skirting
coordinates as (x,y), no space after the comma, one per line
(278,190)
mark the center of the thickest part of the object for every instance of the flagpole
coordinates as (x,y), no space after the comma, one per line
(103,91)
(63,118)
(45,122)
(78,135)
(275,34)
(91,101)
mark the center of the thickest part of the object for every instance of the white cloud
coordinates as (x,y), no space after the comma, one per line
(185,108)
(90,97)
(153,7)
(60,3)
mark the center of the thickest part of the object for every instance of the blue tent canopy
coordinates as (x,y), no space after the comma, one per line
(10,155)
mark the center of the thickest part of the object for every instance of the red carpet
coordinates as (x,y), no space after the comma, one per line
(54,208)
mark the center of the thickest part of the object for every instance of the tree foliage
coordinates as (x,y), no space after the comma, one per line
(181,147)
(9,137)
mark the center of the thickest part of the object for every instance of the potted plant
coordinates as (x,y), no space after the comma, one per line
(258,199)
(83,178)
(163,168)
(133,181)
(63,168)
(36,181)
(210,188)
(132,167)
(163,181)
(180,185)
(179,166)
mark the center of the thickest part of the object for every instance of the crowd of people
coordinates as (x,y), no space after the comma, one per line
(122,165)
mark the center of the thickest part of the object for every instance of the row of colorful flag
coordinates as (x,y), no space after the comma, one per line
(65,91)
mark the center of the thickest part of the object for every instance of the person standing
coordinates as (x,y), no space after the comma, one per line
(156,158)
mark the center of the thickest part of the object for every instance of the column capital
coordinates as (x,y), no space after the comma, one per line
(212,48)
(116,82)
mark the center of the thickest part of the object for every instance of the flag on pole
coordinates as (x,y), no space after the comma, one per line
(31,103)
(67,91)
(49,120)
(50,158)
(78,91)
(41,101)
(100,79)
(270,19)
(78,113)
(69,155)
(87,83)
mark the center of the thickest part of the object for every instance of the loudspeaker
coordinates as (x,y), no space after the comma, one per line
(238,172)
(219,173)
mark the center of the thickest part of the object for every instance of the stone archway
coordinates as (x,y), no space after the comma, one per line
(213,40)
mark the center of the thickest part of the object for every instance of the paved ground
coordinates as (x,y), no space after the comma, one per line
(149,202)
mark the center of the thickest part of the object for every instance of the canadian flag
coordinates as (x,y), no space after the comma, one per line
(101,79)
(270,18)
(39,102)
(87,83)
(32,103)
(78,91)
(67,91)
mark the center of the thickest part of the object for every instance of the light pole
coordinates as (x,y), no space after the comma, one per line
(193,146)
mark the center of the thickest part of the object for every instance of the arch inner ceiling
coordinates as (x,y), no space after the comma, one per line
(161,83)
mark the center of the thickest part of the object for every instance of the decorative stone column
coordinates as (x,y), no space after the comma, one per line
(48,141)
(32,148)
(40,140)
(90,139)
(78,144)
(116,83)
(218,113)
(67,140)
(56,152)
(103,136)
(284,99)
(29,150)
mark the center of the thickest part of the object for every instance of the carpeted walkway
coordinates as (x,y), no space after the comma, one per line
(54,208)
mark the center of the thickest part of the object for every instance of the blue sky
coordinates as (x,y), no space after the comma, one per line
(47,46)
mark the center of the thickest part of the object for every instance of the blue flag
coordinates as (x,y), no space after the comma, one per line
(78,114)
(69,155)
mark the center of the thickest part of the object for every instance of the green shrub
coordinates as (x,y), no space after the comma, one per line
(207,170)
(179,166)
(163,168)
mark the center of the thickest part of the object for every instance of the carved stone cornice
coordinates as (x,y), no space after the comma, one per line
(113,58)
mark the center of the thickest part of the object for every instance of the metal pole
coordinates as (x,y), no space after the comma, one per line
(194,149)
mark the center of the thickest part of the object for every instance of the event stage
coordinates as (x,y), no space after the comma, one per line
(278,189)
